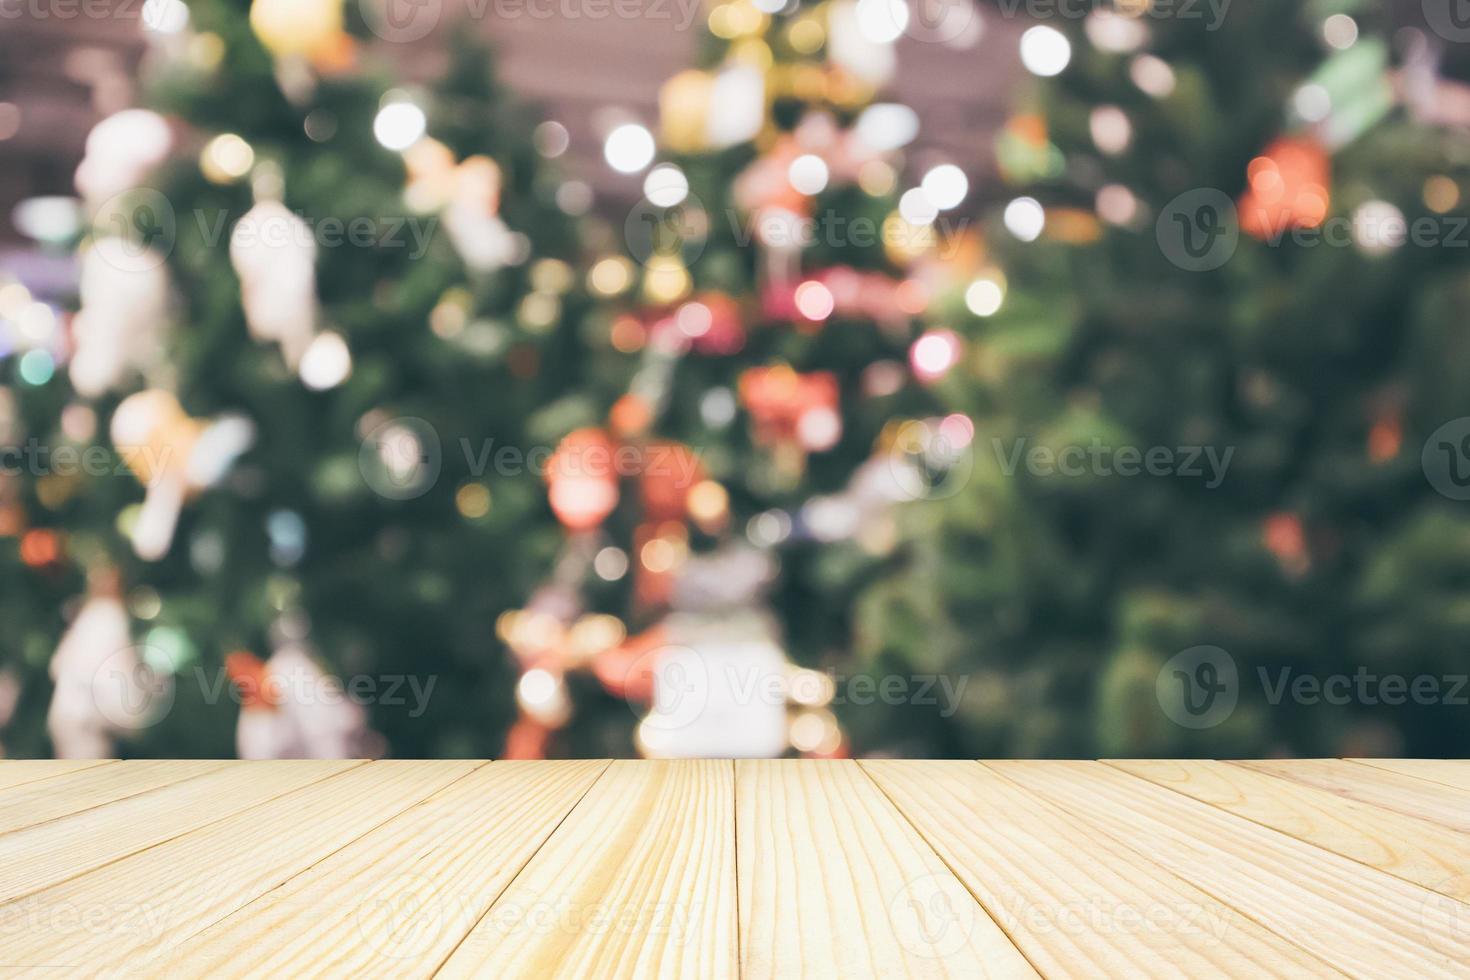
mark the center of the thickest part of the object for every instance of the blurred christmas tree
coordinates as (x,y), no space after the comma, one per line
(1241,237)
(752,370)
(302,294)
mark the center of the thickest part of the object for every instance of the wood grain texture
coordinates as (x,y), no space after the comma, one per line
(1077,903)
(720,868)
(1450,772)
(37,802)
(38,857)
(803,881)
(1362,921)
(122,916)
(638,881)
(16,772)
(398,900)
(1410,795)
(1415,850)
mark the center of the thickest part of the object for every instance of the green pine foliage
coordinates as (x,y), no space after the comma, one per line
(1064,596)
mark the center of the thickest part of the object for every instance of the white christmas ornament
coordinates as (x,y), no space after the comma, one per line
(102,688)
(737,106)
(719,681)
(120,326)
(173,456)
(860,37)
(274,254)
(120,152)
(305,714)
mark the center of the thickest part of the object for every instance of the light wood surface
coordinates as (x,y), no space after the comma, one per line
(723,869)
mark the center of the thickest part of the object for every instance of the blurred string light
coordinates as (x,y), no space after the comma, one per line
(916,207)
(326,363)
(1111,132)
(611,276)
(399,125)
(887,126)
(665,186)
(1024,218)
(984,296)
(1441,194)
(1045,51)
(1116,204)
(37,367)
(165,16)
(807,174)
(882,21)
(934,353)
(49,219)
(226,158)
(1340,31)
(1379,227)
(629,148)
(814,301)
(610,564)
(1152,75)
(551,139)
(946,186)
(1312,102)
(1114,32)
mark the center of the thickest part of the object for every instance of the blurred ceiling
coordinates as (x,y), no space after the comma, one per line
(64,74)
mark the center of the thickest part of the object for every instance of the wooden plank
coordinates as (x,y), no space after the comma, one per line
(1362,921)
(60,796)
(15,772)
(822,854)
(398,900)
(38,857)
(1415,850)
(1450,772)
(1076,902)
(638,881)
(118,917)
(1391,790)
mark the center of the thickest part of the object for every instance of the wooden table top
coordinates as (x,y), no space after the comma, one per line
(719,868)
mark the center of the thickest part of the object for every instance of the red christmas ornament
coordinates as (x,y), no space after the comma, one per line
(251,678)
(670,471)
(1288,188)
(627,670)
(784,404)
(582,483)
(527,739)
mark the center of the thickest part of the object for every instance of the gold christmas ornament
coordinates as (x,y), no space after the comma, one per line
(684,103)
(302,28)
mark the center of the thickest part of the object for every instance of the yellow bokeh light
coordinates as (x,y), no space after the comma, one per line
(473,500)
(611,276)
(708,502)
(1441,194)
(226,159)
